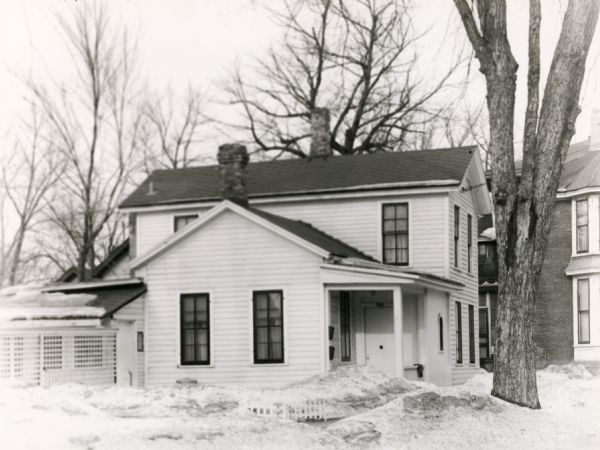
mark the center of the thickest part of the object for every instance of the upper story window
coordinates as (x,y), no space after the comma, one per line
(456,233)
(581,212)
(181,221)
(469,242)
(395,234)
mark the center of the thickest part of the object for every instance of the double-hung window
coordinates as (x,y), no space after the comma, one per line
(469,242)
(181,221)
(583,309)
(456,233)
(581,212)
(395,234)
(459,355)
(195,329)
(268,326)
(471,334)
(345,337)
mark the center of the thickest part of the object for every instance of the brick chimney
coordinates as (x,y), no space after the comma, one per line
(595,131)
(320,145)
(233,160)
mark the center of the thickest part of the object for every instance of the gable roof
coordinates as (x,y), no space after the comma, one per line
(111,260)
(299,232)
(440,167)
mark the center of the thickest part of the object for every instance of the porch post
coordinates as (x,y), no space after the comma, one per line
(398,360)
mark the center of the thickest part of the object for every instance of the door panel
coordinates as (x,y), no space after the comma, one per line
(126,352)
(379,339)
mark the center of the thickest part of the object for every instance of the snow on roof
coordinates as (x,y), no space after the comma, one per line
(30,303)
(489,234)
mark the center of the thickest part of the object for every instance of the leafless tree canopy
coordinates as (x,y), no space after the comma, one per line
(94,125)
(356,58)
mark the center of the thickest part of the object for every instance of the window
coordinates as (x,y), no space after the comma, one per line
(88,351)
(482,250)
(140,341)
(459,358)
(345,342)
(471,334)
(581,207)
(583,307)
(194,329)
(181,221)
(484,334)
(441,331)
(268,326)
(469,241)
(395,234)
(456,233)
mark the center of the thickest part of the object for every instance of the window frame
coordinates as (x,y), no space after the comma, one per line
(345,328)
(140,341)
(580,311)
(458,326)
(255,359)
(471,334)
(395,233)
(207,295)
(441,332)
(587,226)
(188,217)
(469,243)
(456,235)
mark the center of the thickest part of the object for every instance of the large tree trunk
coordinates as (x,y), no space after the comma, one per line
(523,205)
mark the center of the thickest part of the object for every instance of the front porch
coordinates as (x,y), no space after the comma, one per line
(396,323)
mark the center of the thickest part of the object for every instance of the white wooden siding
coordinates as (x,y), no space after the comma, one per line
(119,271)
(135,311)
(229,258)
(469,294)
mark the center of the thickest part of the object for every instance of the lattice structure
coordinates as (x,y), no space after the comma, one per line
(303,411)
(56,357)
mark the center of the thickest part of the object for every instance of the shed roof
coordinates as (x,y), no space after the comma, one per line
(302,176)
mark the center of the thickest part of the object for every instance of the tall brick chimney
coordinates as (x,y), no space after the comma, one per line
(233,161)
(320,137)
(595,131)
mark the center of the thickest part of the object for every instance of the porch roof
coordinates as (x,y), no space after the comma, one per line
(374,272)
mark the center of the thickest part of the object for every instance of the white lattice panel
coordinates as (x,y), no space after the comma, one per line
(307,410)
(45,358)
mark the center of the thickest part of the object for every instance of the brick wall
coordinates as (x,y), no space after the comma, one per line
(554,314)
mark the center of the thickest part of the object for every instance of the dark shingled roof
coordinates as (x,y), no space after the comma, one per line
(111,298)
(313,235)
(299,176)
(111,260)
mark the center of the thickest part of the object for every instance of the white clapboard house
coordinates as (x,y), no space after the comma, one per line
(266,273)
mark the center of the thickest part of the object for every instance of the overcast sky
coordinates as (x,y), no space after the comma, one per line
(196,41)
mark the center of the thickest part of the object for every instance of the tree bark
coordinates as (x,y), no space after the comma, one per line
(523,206)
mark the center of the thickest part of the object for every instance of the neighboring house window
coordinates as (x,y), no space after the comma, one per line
(456,233)
(581,209)
(395,234)
(484,334)
(195,329)
(459,358)
(345,344)
(181,221)
(469,242)
(471,334)
(488,304)
(87,351)
(441,331)
(583,307)
(268,326)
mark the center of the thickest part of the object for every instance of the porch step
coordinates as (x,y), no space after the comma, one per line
(592,366)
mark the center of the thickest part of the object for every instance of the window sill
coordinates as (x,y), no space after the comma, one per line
(195,366)
(269,364)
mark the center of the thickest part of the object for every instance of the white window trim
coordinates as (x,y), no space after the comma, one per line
(211,330)
(380,205)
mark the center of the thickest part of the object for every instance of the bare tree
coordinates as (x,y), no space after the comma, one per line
(28,177)
(523,206)
(357,59)
(95,123)
(172,132)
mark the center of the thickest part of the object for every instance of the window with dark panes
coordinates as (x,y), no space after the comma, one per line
(484,334)
(345,338)
(469,241)
(456,233)
(441,331)
(195,328)
(471,334)
(181,221)
(583,307)
(268,326)
(395,234)
(581,210)
(458,312)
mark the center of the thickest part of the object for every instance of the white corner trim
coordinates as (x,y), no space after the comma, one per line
(225,205)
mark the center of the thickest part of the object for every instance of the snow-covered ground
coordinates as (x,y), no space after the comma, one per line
(373,411)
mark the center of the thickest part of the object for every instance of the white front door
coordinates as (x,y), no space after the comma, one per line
(126,353)
(379,337)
